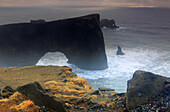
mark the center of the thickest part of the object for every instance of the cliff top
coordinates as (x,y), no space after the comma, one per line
(18,76)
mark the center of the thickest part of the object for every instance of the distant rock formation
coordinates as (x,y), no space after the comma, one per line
(108,23)
(80,39)
(142,86)
(37,21)
(119,51)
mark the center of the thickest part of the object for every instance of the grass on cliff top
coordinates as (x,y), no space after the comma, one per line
(18,76)
(71,89)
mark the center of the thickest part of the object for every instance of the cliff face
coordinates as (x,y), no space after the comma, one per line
(80,39)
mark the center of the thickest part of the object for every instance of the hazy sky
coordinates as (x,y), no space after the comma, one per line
(114,3)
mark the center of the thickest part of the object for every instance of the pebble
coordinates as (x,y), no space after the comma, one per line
(19,102)
(43,109)
(159,103)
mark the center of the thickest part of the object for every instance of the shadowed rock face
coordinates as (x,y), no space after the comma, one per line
(142,86)
(80,39)
(35,92)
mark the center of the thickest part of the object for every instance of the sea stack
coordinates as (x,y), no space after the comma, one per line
(119,51)
(80,39)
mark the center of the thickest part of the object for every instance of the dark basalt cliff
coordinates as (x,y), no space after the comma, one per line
(80,39)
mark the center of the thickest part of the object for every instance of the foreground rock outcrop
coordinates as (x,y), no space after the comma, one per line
(41,88)
(58,89)
(80,39)
(143,86)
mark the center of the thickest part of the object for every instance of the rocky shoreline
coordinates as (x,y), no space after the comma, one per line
(58,89)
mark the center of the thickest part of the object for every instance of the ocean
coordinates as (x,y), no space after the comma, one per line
(144,36)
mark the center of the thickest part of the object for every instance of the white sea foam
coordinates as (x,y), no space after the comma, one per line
(126,65)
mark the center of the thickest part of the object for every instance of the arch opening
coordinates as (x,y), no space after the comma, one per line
(53,58)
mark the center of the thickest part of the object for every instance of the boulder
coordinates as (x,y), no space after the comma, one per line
(108,23)
(142,86)
(119,51)
(80,39)
(36,93)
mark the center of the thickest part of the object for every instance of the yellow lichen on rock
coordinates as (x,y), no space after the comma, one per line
(25,106)
(17,103)
(111,105)
(69,88)
(102,103)
(3,100)
(93,96)
(17,97)
(67,104)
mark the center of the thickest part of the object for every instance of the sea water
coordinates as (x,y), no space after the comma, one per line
(144,36)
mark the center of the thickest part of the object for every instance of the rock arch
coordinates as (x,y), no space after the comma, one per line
(80,39)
